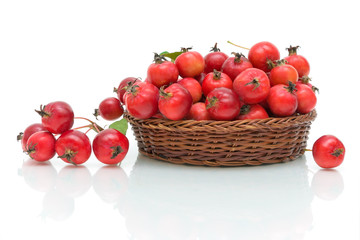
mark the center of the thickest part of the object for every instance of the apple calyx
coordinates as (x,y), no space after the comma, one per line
(69,155)
(41,112)
(116,151)
(338,152)
(158,59)
(245,109)
(254,82)
(217,74)
(291,88)
(212,102)
(215,48)
(292,50)
(238,56)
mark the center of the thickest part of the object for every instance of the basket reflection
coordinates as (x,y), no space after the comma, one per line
(167,201)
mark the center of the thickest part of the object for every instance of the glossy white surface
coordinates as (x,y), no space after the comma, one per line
(149,199)
(77,51)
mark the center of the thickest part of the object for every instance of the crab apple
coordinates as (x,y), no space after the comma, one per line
(190,63)
(299,62)
(30,130)
(125,84)
(255,111)
(57,117)
(233,66)
(73,147)
(214,80)
(193,86)
(328,151)
(141,100)
(282,100)
(252,86)
(198,112)
(162,72)
(223,104)
(283,73)
(214,59)
(263,53)
(109,109)
(306,98)
(110,146)
(41,146)
(175,102)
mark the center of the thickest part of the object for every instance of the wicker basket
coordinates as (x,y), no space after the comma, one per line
(223,143)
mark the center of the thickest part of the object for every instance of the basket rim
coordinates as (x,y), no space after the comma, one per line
(271,123)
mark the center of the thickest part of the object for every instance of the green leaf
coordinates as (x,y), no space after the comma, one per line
(121,125)
(172,55)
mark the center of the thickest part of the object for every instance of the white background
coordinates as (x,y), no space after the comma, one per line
(77,51)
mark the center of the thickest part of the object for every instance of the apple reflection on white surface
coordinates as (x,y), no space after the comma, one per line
(73,181)
(40,176)
(62,188)
(327,184)
(167,201)
(110,183)
(161,200)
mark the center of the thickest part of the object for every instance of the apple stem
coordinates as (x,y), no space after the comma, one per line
(96,127)
(238,45)
(86,126)
(84,119)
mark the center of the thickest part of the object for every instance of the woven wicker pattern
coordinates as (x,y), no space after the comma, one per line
(223,143)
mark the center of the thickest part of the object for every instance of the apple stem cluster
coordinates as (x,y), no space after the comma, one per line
(94,126)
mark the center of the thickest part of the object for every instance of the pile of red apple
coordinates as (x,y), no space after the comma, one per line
(55,135)
(219,87)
